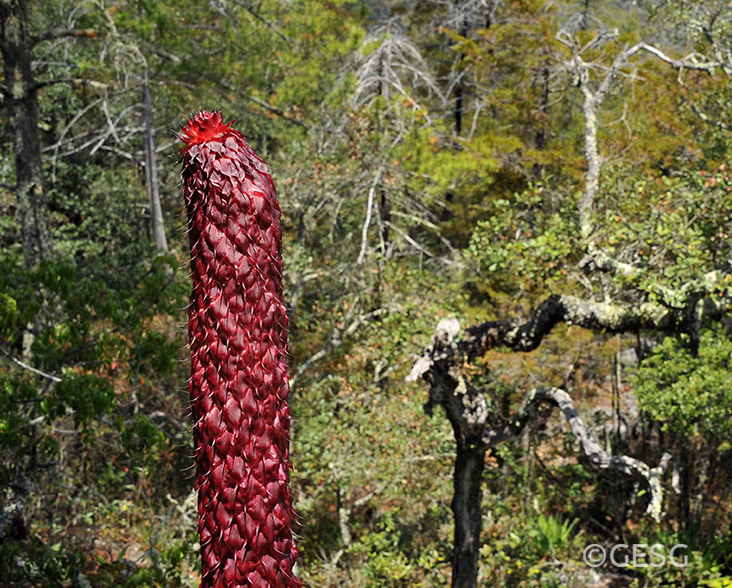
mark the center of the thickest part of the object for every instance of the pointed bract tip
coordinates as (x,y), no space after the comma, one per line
(203,127)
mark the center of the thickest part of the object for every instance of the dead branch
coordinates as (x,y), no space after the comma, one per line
(474,425)
(30,368)
(335,340)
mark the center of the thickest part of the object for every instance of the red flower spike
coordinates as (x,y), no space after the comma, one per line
(238,338)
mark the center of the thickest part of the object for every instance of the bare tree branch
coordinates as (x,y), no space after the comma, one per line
(367,220)
(594,98)
(261,19)
(65,33)
(335,340)
(691,61)
(273,109)
(597,259)
(705,117)
(377,72)
(591,447)
(74,81)
(474,424)
(421,249)
(30,368)
(605,316)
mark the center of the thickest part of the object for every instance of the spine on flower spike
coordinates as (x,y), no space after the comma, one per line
(238,339)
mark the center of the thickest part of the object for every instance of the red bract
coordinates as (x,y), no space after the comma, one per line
(238,338)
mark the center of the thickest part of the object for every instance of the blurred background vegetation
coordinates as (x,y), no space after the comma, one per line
(430,157)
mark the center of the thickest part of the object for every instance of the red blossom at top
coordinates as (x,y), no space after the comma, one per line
(203,127)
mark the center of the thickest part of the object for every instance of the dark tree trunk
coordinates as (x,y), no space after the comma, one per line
(21,100)
(459,106)
(684,498)
(540,139)
(460,89)
(543,108)
(385,212)
(466,503)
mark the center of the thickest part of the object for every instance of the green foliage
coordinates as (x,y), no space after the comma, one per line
(8,315)
(386,565)
(690,396)
(87,397)
(661,231)
(531,237)
(553,536)
(52,566)
(533,550)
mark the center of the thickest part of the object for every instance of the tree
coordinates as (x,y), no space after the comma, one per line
(19,93)
(675,308)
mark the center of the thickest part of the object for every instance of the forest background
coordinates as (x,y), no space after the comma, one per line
(551,176)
